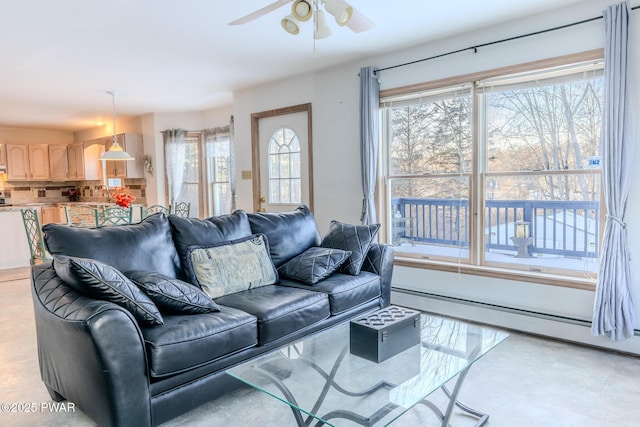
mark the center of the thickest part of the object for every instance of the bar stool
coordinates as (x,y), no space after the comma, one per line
(153,209)
(181,209)
(114,216)
(34,236)
(81,216)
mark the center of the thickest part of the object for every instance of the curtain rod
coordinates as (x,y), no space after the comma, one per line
(475,47)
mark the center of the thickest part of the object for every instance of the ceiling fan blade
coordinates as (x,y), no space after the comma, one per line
(260,12)
(359,23)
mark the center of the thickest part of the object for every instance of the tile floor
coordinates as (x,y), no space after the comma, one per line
(526,381)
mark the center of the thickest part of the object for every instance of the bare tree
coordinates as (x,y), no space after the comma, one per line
(551,127)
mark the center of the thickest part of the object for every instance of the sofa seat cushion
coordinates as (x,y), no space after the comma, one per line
(188,341)
(344,290)
(280,310)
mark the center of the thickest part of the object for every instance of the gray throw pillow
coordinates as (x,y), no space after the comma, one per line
(101,281)
(172,295)
(314,264)
(232,267)
(354,238)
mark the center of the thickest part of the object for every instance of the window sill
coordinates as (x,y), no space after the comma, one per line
(587,284)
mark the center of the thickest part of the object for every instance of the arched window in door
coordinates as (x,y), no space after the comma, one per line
(284,167)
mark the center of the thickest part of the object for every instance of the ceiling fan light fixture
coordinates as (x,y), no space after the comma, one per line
(341,11)
(302,10)
(359,23)
(321,30)
(290,24)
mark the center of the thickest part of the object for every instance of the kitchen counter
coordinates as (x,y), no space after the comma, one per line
(14,250)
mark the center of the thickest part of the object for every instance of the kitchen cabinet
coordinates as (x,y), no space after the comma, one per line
(39,162)
(92,163)
(28,162)
(3,158)
(17,162)
(58,163)
(52,214)
(75,161)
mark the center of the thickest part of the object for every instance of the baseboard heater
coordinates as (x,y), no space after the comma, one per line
(512,310)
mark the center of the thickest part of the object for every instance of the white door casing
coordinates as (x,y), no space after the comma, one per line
(264,125)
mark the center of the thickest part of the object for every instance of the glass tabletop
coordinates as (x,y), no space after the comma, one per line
(321,378)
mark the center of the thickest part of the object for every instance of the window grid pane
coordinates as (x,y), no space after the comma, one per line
(284,167)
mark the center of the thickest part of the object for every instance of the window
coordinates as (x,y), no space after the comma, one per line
(430,164)
(190,189)
(284,167)
(519,190)
(218,167)
(198,165)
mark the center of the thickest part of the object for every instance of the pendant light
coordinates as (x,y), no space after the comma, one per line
(115,152)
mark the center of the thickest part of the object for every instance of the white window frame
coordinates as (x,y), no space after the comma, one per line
(476,263)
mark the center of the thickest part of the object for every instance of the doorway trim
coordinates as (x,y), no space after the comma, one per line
(255,147)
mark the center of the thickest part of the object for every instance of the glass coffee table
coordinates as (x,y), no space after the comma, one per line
(324,384)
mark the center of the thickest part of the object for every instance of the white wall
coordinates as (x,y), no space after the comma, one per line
(34,136)
(336,165)
(334,97)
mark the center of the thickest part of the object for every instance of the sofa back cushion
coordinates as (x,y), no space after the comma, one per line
(288,233)
(206,232)
(144,246)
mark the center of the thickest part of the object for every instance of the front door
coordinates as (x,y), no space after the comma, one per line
(282,160)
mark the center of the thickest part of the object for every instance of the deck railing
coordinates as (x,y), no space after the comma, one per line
(565,228)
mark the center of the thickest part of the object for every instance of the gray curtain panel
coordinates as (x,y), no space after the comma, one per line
(232,162)
(369,100)
(613,308)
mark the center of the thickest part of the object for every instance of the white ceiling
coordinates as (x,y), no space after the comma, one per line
(58,58)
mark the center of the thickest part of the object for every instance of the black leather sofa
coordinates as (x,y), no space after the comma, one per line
(94,353)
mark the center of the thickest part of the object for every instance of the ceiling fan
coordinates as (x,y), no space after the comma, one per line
(303,10)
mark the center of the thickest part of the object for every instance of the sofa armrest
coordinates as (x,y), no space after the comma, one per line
(379,260)
(91,352)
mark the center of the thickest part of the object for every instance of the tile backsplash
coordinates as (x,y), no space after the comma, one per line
(52,192)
